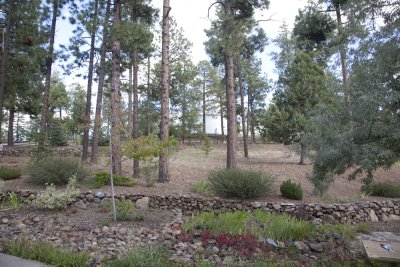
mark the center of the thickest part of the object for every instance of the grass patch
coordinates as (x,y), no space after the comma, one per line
(262,224)
(203,187)
(46,253)
(103,178)
(9,173)
(363,228)
(384,189)
(148,256)
(55,171)
(244,184)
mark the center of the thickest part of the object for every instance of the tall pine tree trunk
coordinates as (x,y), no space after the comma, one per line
(4,59)
(99,98)
(231,161)
(49,63)
(303,150)
(135,132)
(164,175)
(130,90)
(148,96)
(115,96)
(204,101)
(221,114)
(242,110)
(85,145)
(10,139)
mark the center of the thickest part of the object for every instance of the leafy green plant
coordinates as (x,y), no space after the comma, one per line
(203,187)
(291,190)
(55,171)
(244,184)
(53,199)
(9,173)
(103,178)
(46,253)
(384,189)
(148,256)
(147,149)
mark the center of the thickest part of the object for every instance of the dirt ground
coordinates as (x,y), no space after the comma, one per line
(189,164)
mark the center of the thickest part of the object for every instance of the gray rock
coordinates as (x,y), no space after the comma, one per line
(89,197)
(317,247)
(5,221)
(372,216)
(80,205)
(229,260)
(142,203)
(393,217)
(329,219)
(276,206)
(317,221)
(300,245)
(256,204)
(270,242)
(384,218)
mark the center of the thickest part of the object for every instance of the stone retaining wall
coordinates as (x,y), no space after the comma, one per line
(350,213)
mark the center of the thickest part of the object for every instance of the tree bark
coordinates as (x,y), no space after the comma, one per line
(10,139)
(130,91)
(4,59)
(164,123)
(49,62)
(242,109)
(135,133)
(221,110)
(231,145)
(204,101)
(99,98)
(115,97)
(148,96)
(303,150)
(85,144)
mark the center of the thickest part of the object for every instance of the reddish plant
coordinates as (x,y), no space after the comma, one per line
(205,236)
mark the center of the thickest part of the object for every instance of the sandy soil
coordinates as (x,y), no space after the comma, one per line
(189,165)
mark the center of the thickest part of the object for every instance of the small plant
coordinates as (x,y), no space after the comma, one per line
(363,228)
(46,253)
(124,210)
(53,199)
(14,200)
(148,256)
(149,170)
(244,184)
(203,187)
(384,189)
(207,146)
(9,173)
(291,190)
(55,171)
(103,178)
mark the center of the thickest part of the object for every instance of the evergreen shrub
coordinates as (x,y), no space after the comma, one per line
(9,173)
(55,171)
(291,190)
(103,178)
(383,189)
(244,184)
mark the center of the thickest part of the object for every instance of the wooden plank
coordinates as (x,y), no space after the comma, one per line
(376,252)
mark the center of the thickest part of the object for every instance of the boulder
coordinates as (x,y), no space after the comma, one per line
(142,203)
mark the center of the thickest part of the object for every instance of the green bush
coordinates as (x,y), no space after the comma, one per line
(9,173)
(148,256)
(57,135)
(291,190)
(244,184)
(384,189)
(55,171)
(46,253)
(103,178)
